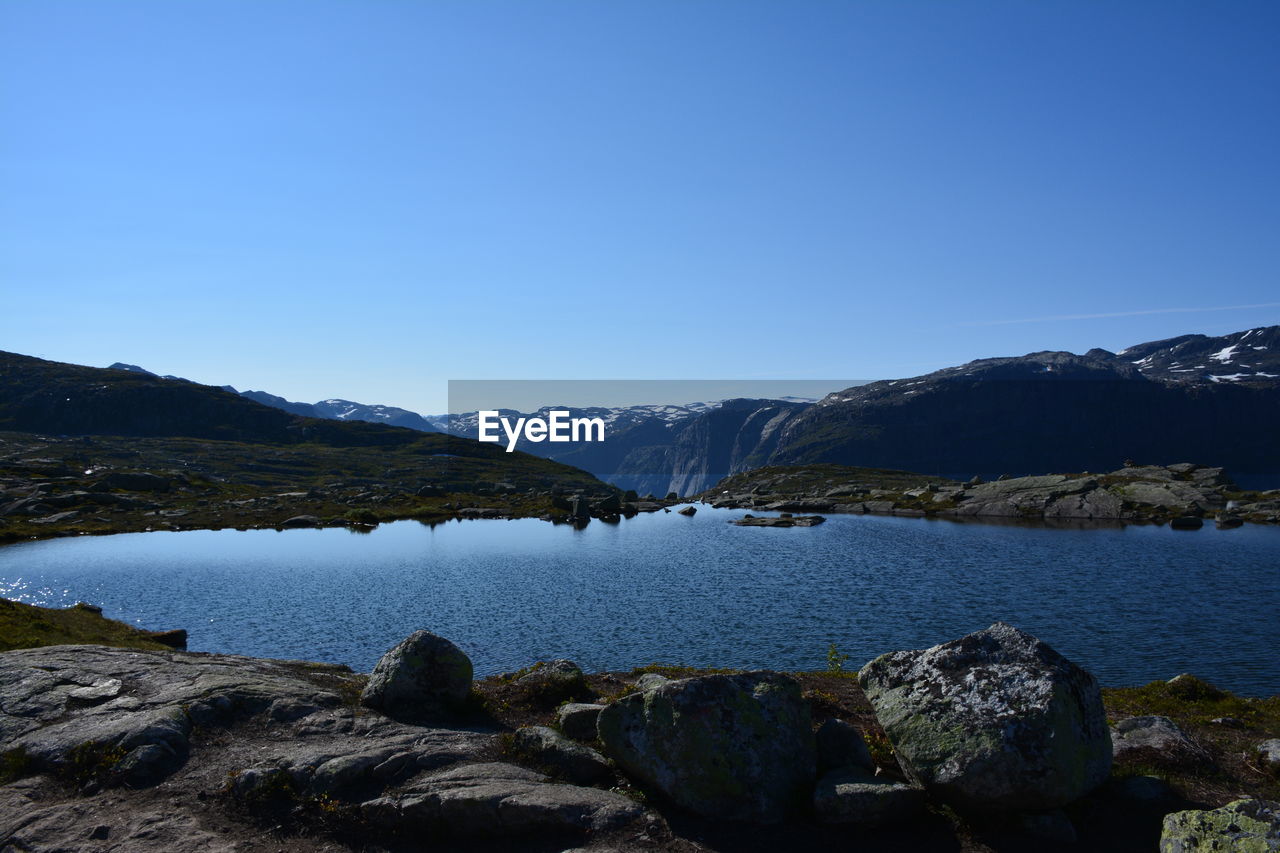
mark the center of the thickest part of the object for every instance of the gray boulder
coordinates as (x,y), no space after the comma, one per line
(1155,738)
(424,674)
(578,720)
(853,795)
(555,681)
(736,747)
(575,763)
(650,680)
(994,720)
(1269,751)
(1244,826)
(840,745)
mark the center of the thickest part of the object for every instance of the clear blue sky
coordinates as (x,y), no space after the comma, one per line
(365,199)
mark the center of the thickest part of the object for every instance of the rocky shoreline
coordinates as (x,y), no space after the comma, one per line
(1186,495)
(989,742)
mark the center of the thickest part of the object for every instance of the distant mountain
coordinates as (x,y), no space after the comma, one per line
(616,419)
(305,409)
(1210,400)
(1251,357)
(335,410)
(51,398)
(345,410)
(54,398)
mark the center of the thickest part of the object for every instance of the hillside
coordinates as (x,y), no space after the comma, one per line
(1047,411)
(53,398)
(87,449)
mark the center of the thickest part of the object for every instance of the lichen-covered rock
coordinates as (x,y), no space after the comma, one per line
(1269,752)
(737,747)
(573,762)
(840,745)
(424,674)
(650,680)
(994,720)
(852,795)
(578,720)
(1245,826)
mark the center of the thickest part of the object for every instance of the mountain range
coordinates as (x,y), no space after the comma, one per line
(1214,400)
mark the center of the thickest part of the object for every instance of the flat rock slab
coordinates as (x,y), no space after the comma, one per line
(853,795)
(499,799)
(194,742)
(135,709)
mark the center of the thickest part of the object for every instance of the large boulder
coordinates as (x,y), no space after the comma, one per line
(994,720)
(737,747)
(424,674)
(1245,825)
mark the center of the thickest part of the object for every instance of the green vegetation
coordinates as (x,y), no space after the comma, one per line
(14,764)
(835,660)
(70,483)
(25,626)
(1226,726)
(1191,702)
(92,762)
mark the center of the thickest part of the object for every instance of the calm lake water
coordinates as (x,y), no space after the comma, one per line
(1131,604)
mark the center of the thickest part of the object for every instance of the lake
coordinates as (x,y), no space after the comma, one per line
(1131,604)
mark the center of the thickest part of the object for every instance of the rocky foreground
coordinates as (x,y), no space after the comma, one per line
(1185,494)
(989,742)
